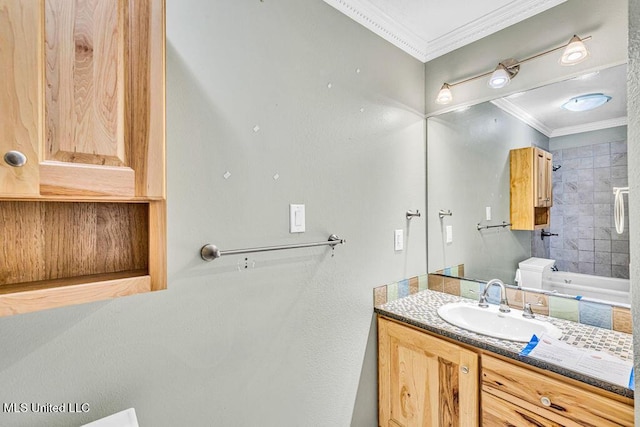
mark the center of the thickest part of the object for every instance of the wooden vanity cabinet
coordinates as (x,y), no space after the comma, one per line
(82,151)
(518,395)
(531,195)
(424,381)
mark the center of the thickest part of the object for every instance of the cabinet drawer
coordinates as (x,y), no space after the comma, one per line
(500,413)
(550,397)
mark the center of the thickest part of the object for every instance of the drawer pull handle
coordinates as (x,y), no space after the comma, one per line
(545,401)
(15,158)
(465,370)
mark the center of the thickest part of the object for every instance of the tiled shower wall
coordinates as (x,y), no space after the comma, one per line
(582,212)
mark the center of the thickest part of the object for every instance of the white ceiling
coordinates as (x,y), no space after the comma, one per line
(427,29)
(541,107)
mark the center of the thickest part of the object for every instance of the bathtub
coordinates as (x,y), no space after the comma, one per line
(586,285)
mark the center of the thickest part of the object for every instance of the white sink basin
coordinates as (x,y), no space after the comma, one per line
(489,321)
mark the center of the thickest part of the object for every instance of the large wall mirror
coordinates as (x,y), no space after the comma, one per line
(468,177)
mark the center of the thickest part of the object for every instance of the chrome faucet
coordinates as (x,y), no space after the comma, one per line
(504,304)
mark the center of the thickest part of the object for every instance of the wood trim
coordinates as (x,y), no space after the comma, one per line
(87,180)
(145,100)
(384,380)
(78,199)
(53,297)
(158,245)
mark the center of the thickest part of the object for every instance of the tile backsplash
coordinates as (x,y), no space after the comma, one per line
(592,313)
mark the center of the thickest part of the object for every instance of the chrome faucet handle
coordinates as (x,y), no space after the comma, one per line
(483,301)
(504,305)
(528,312)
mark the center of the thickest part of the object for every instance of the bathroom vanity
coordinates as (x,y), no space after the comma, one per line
(433,373)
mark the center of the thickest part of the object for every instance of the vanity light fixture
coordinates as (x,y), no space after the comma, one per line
(444,96)
(586,102)
(574,52)
(504,72)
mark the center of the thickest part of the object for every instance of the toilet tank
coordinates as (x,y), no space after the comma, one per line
(531,271)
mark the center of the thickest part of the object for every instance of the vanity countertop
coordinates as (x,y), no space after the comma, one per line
(420,310)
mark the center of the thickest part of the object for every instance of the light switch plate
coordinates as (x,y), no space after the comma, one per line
(398,240)
(296,219)
(449,233)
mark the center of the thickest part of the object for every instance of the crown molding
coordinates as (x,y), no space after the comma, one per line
(589,127)
(520,114)
(490,23)
(399,35)
(383,25)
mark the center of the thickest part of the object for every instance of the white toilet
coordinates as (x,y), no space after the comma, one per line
(530,271)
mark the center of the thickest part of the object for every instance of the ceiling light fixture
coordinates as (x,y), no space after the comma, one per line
(574,52)
(586,102)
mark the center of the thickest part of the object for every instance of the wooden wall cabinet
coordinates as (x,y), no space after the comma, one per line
(423,380)
(82,100)
(531,195)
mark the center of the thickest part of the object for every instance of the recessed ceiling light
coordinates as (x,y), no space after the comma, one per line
(586,102)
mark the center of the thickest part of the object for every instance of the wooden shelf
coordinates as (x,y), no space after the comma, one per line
(58,253)
(27,297)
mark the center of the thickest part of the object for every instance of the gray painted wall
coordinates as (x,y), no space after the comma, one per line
(289,341)
(468,170)
(633,129)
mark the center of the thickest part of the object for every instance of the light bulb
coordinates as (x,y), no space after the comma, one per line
(574,53)
(444,96)
(499,78)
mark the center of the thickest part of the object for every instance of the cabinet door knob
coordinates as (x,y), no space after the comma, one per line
(15,158)
(464,369)
(545,401)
